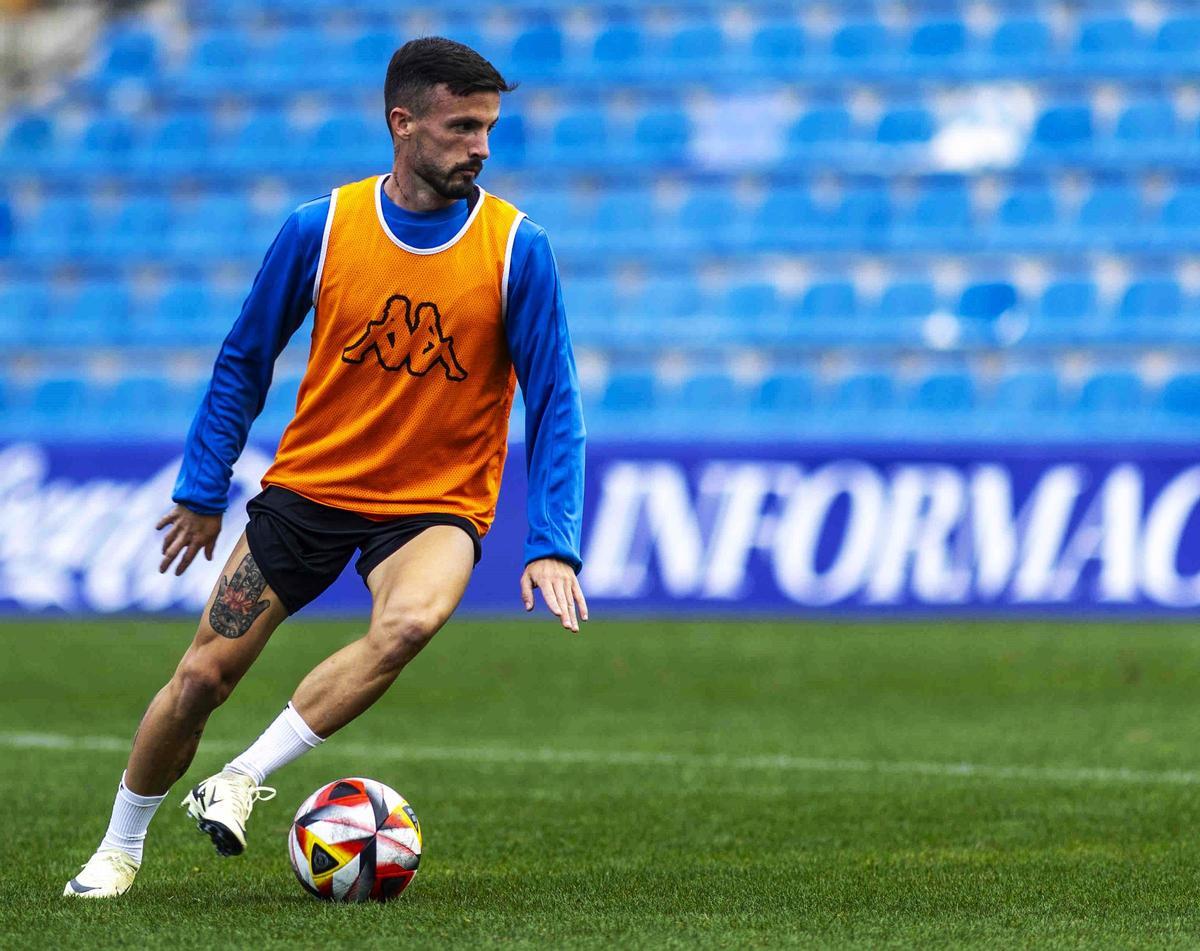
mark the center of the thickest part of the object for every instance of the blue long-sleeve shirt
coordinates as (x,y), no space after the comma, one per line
(538,342)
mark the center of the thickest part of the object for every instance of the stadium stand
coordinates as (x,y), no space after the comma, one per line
(816,221)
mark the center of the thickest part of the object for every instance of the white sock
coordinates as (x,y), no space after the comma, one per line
(131,817)
(288,738)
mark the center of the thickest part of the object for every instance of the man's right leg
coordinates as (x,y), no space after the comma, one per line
(239,618)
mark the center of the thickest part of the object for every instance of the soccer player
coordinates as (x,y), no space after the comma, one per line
(429,293)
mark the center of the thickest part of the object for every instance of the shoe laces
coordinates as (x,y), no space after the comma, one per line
(114,859)
(246,794)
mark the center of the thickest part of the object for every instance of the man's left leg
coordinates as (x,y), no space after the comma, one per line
(413,593)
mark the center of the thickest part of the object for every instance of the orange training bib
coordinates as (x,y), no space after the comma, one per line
(404,405)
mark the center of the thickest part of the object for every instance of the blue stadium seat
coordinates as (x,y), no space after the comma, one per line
(1066,308)
(694,44)
(106,144)
(371,51)
(1028,216)
(184,313)
(23,307)
(1110,215)
(1147,121)
(30,132)
(348,139)
(709,218)
(868,393)
(538,51)
(780,43)
(862,217)
(714,397)
(214,226)
(784,215)
(1022,41)
(1063,127)
(1180,396)
(1114,39)
(219,58)
(63,403)
(132,53)
(662,135)
(1179,38)
(941,215)
(1027,392)
(986,300)
(832,303)
(579,136)
(909,125)
(618,46)
(627,215)
(267,142)
(1181,214)
(629,392)
(907,301)
(180,144)
(1112,393)
(864,40)
(937,39)
(822,131)
(1149,306)
(944,392)
(785,393)
(140,228)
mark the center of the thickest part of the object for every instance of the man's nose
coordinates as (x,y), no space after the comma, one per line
(479,148)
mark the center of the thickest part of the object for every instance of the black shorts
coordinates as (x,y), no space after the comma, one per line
(301,546)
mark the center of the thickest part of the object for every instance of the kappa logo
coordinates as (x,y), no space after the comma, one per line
(407,338)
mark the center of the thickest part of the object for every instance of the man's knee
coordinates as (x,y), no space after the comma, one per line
(399,634)
(201,685)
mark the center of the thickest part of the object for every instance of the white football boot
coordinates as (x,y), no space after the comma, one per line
(221,805)
(108,873)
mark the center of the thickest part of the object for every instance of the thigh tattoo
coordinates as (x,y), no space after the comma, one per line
(238,605)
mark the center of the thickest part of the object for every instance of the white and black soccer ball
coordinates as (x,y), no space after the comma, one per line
(355,840)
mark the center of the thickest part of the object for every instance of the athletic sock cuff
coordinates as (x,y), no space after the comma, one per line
(296,722)
(131,797)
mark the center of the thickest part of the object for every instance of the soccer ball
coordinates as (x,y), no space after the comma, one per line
(355,840)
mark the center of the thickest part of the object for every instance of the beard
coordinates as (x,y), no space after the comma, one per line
(449,183)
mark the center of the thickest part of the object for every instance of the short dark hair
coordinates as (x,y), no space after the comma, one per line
(421,65)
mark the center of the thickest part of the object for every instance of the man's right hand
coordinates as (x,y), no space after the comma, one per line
(191,533)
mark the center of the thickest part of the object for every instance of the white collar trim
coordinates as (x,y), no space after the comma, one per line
(408,247)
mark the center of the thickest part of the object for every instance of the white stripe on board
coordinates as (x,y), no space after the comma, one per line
(784,762)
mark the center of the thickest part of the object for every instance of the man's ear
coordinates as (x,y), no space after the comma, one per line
(400,122)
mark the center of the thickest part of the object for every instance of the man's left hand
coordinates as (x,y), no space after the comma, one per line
(560,590)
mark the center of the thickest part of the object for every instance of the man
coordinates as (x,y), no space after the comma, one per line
(428,294)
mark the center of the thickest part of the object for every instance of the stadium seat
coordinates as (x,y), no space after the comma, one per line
(1026,42)
(1028,392)
(1178,38)
(579,136)
(861,41)
(938,39)
(538,51)
(1149,306)
(1026,218)
(132,53)
(910,125)
(696,44)
(785,393)
(1063,127)
(1112,393)
(1113,39)
(779,44)
(1180,396)
(629,392)
(944,392)
(1065,311)
(986,300)
(618,46)
(661,136)
(833,303)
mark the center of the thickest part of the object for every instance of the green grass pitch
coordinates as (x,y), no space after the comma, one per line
(652,784)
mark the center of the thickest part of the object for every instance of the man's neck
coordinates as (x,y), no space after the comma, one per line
(412,193)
